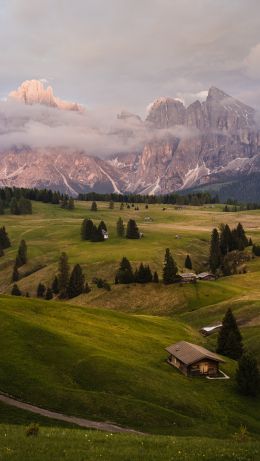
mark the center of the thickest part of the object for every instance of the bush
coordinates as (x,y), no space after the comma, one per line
(32,430)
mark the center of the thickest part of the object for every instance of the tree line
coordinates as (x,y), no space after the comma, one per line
(194,198)
(18,199)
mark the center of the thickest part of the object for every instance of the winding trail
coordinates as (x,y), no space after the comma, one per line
(88,424)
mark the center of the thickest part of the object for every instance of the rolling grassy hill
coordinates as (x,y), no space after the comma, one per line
(101,355)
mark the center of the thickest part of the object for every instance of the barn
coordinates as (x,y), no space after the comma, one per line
(193,360)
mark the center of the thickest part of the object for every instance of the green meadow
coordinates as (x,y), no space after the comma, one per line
(102,355)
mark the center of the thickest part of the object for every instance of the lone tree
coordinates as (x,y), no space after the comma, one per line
(132,231)
(188,262)
(93,206)
(102,226)
(247,375)
(63,275)
(215,253)
(120,228)
(111,205)
(229,338)
(125,272)
(41,290)
(170,269)
(76,282)
(21,258)
(49,294)
(16,290)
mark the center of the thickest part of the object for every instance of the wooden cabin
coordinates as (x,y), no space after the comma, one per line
(188,277)
(193,360)
(206,276)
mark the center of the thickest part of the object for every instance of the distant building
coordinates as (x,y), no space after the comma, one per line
(209,330)
(188,277)
(193,360)
(105,234)
(206,276)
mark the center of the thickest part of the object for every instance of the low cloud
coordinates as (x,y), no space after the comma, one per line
(99,133)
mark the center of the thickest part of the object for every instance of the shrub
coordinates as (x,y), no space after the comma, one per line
(32,430)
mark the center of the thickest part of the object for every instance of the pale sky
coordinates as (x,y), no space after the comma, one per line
(125,53)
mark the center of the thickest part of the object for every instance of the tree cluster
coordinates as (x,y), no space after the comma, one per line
(20,206)
(143,274)
(222,243)
(89,231)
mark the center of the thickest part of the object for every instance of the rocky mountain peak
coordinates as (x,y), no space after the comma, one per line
(166,112)
(34,92)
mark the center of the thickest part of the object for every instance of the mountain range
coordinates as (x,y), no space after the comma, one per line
(210,142)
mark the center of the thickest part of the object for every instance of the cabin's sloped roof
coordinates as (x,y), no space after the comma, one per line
(189,353)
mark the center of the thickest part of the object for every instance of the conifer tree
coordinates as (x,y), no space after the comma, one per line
(55,285)
(121,206)
(132,231)
(24,206)
(241,235)
(16,290)
(102,226)
(170,269)
(2,210)
(97,234)
(226,239)
(125,272)
(71,204)
(87,229)
(93,206)
(4,239)
(21,258)
(188,262)
(1,251)
(15,274)
(48,294)
(247,375)
(120,228)
(155,277)
(229,341)
(76,282)
(14,209)
(111,205)
(215,253)
(41,290)
(63,275)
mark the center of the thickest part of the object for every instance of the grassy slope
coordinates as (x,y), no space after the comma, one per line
(107,365)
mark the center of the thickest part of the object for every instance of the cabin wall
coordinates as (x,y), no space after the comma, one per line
(203,367)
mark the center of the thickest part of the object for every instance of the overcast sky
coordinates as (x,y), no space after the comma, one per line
(126,53)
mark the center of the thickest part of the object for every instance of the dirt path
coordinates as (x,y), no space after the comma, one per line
(108,427)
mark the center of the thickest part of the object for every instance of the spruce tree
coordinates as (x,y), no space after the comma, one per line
(48,294)
(24,206)
(21,258)
(14,209)
(155,277)
(41,290)
(1,251)
(15,274)
(2,210)
(132,231)
(71,204)
(76,282)
(125,272)
(102,226)
(87,229)
(170,269)
(247,375)
(120,228)
(4,239)
(87,288)
(63,275)
(229,341)
(121,206)
(97,234)
(16,290)
(111,205)
(93,207)
(188,262)
(55,285)
(241,235)
(226,239)
(215,253)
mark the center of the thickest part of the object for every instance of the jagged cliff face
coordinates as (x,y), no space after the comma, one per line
(207,142)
